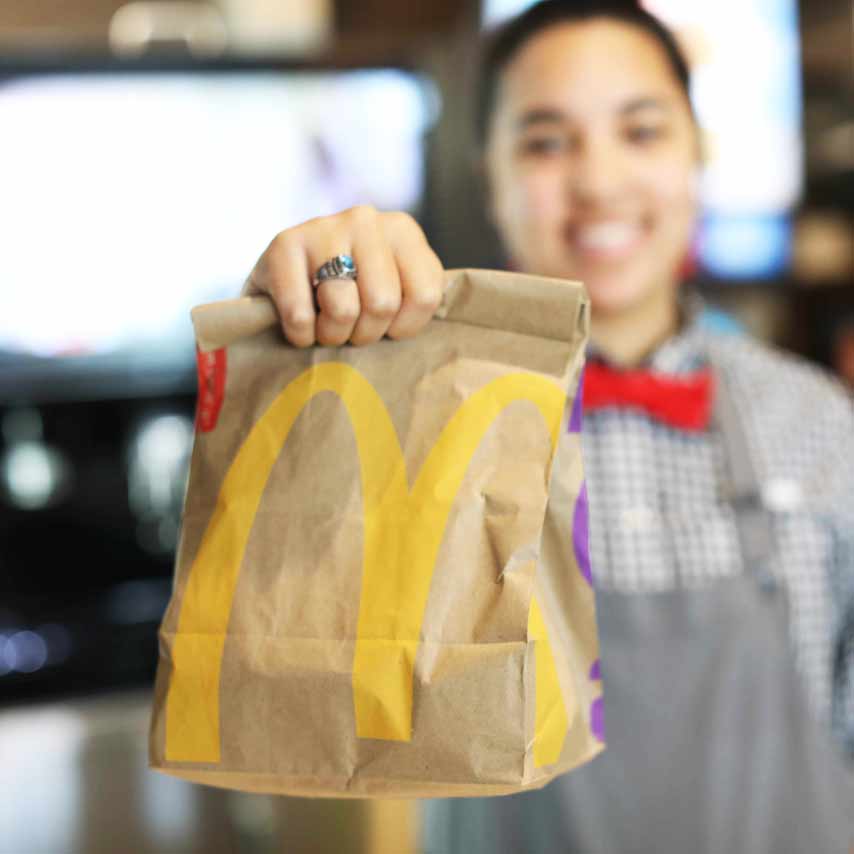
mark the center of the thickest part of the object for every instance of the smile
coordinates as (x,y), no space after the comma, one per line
(606,239)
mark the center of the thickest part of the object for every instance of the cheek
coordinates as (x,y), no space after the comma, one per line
(543,194)
(531,199)
(674,188)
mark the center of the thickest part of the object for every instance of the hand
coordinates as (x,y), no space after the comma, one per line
(398,288)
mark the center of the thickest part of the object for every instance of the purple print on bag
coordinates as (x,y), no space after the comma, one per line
(580,536)
(576,416)
(597,707)
(597,719)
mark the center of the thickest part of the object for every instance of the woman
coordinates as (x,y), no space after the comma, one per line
(720,477)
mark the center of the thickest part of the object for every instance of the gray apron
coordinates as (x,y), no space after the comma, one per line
(711,746)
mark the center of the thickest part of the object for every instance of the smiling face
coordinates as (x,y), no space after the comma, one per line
(592,162)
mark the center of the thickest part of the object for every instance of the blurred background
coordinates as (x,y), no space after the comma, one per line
(148,153)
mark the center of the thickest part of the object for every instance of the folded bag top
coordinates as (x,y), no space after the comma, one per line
(382,586)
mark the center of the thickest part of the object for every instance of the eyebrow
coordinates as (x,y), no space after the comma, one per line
(539,116)
(644,103)
(552,116)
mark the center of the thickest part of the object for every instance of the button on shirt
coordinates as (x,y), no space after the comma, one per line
(660,518)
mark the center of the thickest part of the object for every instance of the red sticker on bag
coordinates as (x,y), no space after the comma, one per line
(211,371)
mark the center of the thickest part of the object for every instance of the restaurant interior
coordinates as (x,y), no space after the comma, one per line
(149,151)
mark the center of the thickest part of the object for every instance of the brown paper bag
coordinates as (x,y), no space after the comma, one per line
(382,586)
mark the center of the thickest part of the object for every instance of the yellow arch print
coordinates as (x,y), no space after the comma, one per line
(403,530)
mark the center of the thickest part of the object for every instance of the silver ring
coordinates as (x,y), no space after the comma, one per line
(339,267)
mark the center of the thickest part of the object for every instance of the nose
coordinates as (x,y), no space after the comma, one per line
(595,173)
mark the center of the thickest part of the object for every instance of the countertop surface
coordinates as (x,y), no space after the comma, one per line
(74,779)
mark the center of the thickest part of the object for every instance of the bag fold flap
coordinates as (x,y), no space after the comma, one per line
(528,305)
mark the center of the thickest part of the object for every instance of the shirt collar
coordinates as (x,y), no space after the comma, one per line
(685,350)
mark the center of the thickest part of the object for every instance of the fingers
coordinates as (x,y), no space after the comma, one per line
(338,301)
(398,287)
(422,276)
(378,279)
(282,272)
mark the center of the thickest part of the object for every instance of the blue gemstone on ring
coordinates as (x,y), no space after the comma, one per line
(346,264)
(338,267)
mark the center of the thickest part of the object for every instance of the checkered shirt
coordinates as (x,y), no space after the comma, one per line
(659,518)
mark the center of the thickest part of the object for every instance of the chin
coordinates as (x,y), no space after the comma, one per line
(614,297)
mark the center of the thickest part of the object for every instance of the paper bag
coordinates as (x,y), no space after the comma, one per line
(382,586)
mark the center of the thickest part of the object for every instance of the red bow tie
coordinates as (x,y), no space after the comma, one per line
(683,401)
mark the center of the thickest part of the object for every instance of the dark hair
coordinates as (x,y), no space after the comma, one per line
(508,39)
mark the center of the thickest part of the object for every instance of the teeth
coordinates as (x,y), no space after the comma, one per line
(606,236)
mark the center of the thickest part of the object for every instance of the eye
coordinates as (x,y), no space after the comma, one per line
(643,134)
(542,145)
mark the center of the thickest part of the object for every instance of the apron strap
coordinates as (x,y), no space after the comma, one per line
(742,486)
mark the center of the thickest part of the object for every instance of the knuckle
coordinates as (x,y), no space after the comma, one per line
(362,214)
(341,312)
(384,306)
(426,299)
(296,317)
(282,243)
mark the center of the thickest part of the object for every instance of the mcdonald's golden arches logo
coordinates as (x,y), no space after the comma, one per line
(403,530)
